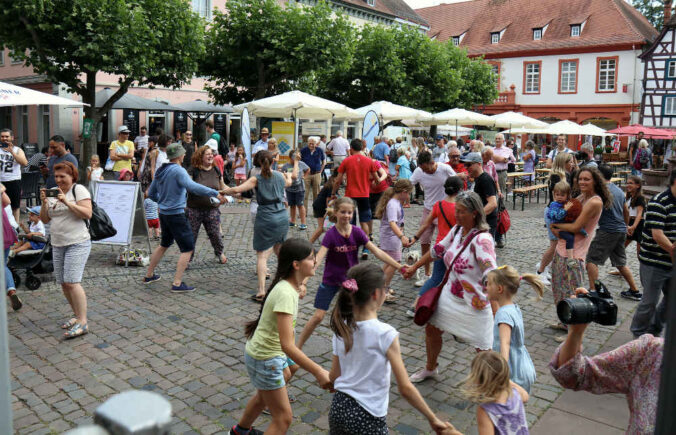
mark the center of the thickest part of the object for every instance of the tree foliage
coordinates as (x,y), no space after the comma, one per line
(653,10)
(257,48)
(142,42)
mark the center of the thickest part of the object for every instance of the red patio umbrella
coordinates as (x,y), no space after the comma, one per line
(649,132)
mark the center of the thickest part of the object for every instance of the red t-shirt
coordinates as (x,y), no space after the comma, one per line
(442,225)
(218,161)
(358,169)
(383,185)
(460,169)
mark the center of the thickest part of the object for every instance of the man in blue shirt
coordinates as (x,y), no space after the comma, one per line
(381,151)
(610,237)
(58,154)
(314,157)
(262,143)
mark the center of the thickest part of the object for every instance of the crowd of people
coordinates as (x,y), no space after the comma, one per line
(588,220)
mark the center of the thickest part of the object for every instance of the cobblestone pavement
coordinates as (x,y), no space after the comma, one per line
(189,348)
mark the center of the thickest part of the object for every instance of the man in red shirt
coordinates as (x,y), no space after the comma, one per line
(458,167)
(359,171)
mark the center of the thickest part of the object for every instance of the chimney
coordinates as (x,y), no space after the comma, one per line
(667,11)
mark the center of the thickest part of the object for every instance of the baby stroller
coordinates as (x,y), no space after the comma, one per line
(32,261)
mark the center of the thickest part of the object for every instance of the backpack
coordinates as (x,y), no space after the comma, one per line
(641,160)
(394,156)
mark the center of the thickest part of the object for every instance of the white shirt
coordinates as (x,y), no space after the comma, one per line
(161,159)
(365,370)
(433,184)
(259,146)
(339,145)
(141,142)
(555,151)
(66,227)
(10,169)
(37,227)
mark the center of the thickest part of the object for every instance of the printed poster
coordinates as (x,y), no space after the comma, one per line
(283,132)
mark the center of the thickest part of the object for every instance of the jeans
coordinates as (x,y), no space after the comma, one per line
(438,271)
(649,317)
(569,238)
(9,278)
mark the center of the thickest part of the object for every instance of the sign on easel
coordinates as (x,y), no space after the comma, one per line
(123,202)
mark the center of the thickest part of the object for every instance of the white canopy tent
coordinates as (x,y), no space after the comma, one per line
(12,95)
(564,127)
(388,112)
(453,130)
(459,116)
(299,105)
(592,130)
(512,120)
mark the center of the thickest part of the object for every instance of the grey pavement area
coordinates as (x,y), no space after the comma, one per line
(189,348)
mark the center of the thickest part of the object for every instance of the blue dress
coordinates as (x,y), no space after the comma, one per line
(404,168)
(521,369)
(272,218)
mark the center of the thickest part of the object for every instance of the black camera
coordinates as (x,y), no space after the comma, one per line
(581,156)
(597,307)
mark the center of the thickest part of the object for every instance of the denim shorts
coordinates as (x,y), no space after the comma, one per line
(267,374)
(295,198)
(363,209)
(324,296)
(175,227)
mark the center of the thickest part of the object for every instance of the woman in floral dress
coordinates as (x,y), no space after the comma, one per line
(463,310)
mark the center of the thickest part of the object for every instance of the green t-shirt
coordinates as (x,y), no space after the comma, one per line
(265,344)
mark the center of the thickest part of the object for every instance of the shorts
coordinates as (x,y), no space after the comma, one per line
(69,261)
(396,255)
(607,245)
(13,190)
(364,210)
(154,223)
(324,296)
(374,198)
(240,176)
(36,245)
(428,234)
(636,236)
(267,374)
(347,417)
(175,227)
(318,212)
(295,198)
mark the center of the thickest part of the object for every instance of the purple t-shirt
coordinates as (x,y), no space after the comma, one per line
(342,253)
(394,212)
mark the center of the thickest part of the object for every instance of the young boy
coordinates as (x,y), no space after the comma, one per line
(36,228)
(153,219)
(295,193)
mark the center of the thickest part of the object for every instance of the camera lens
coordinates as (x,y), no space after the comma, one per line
(576,311)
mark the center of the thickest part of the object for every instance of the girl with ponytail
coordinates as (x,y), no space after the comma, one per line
(508,334)
(270,346)
(365,352)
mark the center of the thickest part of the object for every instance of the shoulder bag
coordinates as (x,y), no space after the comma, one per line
(443,214)
(427,304)
(99,225)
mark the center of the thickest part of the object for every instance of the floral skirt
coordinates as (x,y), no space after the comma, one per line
(565,279)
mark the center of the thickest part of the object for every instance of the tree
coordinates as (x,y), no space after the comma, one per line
(256,48)
(142,42)
(651,9)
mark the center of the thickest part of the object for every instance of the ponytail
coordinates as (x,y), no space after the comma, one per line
(510,279)
(332,210)
(401,185)
(535,282)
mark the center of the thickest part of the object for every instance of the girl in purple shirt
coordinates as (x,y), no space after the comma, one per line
(340,246)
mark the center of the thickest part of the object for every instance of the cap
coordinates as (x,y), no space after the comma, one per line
(34,210)
(123,171)
(175,150)
(440,136)
(123,129)
(264,130)
(472,158)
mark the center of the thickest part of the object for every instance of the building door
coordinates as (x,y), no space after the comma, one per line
(156,121)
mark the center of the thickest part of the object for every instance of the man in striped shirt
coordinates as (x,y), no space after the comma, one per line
(657,258)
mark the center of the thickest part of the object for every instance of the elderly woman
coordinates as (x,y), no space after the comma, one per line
(200,210)
(643,151)
(594,196)
(70,240)
(463,309)
(528,158)
(489,166)
(272,218)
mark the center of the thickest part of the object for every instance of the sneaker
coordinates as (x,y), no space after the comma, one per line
(153,278)
(302,227)
(252,431)
(183,288)
(292,224)
(410,313)
(543,277)
(421,282)
(365,254)
(14,299)
(634,295)
(424,374)
(500,244)
(11,254)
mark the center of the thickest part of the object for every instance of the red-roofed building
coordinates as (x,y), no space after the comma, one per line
(575,60)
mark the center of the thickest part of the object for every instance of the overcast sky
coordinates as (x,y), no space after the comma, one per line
(417,4)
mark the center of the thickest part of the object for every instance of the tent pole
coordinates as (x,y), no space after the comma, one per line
(5,396)
(295,129)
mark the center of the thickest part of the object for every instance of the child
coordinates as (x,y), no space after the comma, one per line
(320,204)
(270,346)
(390,211)
(94,172)
(565,209)
(500,401)
(508,333)
(152,217)
(240,166)
(36,228)
(272,147)
(296,192)
(126,175)
(365,352)
(340,246)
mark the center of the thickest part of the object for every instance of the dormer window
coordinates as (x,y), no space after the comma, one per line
(495,37)
(456,40)
(537,34)
(575,30)
(371,2)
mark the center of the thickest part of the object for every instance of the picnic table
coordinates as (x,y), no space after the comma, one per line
(517,175)
(616,165)
(543,170)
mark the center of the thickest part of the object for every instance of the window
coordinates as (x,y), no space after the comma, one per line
(669,105)
(537,34)
(5,117)
(671,69)
(14,61)
(2,57)
(531,77)
(606,74)
(371,2)
(24,124)
(575,30)
(568,76)
(202,7)
(495,66)
(456,40)
(44,110)
(495,37)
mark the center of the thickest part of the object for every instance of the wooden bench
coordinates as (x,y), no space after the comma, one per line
(527,191)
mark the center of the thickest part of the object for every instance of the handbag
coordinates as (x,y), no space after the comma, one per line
(504,221)
(109,165)
(99,225)
(427,304)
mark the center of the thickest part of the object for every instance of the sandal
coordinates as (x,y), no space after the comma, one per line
(257,298)
(390,299)
(69,324)
(76,331)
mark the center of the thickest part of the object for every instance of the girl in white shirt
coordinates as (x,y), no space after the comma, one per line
(365,352)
